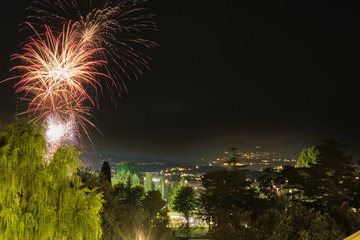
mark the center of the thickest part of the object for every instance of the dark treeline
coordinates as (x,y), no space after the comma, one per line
(316,199)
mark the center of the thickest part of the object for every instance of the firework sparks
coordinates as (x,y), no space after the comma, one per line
(82,43)
(56,75)
(115,27)
(59,132)
(56,70)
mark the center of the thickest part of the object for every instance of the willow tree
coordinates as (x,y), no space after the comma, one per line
(43,199)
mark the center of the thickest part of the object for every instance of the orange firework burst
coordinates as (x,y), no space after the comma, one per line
(60,69)
(57,73)
(114,26)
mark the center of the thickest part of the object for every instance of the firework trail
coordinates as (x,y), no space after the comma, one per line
(76,46)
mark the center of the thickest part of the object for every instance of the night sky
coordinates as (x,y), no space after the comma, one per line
(227,74)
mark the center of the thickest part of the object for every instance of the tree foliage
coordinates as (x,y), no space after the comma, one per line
(128,213)
(225,188)
(155,206)
(165,188)
(149,183)
(125,177)
(317,199)
(297,223)
(308,156)
(329,181)
(126,171)
(42,199)
(129,195)
(184,201)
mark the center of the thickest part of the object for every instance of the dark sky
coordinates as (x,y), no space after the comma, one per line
(229,74)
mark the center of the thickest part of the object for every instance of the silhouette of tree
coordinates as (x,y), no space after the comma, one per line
(225,188)
(106,171)
(234,157)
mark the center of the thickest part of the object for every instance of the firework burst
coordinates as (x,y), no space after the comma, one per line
(59,132)
(75,47)
(115,27)
(55,73)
